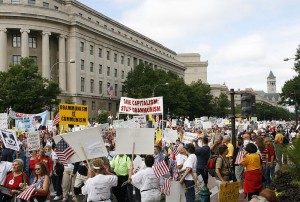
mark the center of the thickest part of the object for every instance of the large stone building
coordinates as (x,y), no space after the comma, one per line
(53,32)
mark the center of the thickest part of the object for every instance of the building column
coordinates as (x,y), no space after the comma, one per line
(45,55)
(25,43)
(62,62)
(3,49)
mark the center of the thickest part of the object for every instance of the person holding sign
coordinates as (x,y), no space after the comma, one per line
(146,181)
(99,183)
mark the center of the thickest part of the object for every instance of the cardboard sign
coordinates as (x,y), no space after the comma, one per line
(73,114)
(142,137)
(230,192)
(33,141)
(90,139)
(141,106)
(10,139)
(3,120)
(189,137)
(170,136)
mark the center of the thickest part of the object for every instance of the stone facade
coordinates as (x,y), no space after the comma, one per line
(55,31)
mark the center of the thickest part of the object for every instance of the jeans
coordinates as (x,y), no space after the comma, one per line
(270,173)
(204,174)
(190,192)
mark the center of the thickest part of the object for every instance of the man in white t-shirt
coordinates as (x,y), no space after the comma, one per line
(5,167)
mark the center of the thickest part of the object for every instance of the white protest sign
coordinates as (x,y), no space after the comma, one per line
(118,123)
(176,192)
(33,141)
(3,120)
(138,164)
(189,137)
(10,139)
(152,105)
(90,139)
(142,137)
(206,124)
(170,136)
(174,122)
(141,120)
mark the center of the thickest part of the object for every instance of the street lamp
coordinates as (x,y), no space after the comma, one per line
(162,84)
(70,61)
(287,59)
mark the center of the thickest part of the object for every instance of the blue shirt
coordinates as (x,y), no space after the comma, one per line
(203,154)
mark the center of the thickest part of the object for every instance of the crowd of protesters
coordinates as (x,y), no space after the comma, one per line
(255,158)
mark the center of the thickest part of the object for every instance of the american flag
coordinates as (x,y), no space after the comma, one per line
(160,168)
(157,119)
(175,174)
(110,90)
(27,193)
(165,189)
(240,156)
(56,120)
(64,151)
(169,122)
(174,150)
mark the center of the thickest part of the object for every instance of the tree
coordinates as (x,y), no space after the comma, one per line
(221,105)
(24,90)
(269,112)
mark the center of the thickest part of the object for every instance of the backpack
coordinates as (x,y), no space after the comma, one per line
(211,165)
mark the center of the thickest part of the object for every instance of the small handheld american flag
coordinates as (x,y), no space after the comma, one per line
(27,193)
(165,189)
(160,168)
(56,120)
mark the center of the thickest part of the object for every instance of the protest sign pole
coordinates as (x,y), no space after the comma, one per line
(133,148)
(85,156)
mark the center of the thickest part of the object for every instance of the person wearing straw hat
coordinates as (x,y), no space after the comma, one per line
(99,183)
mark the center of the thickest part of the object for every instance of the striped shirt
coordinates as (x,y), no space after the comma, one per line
(264,156)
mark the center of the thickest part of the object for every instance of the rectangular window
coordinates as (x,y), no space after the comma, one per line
(91,50)
(31,2)
(117,107)
(91,67)
(56,7)
(108,71)
(46,5)
(100,87)
(123,89)
(116,73)
(16,40)
(128,62)
(123,75)
(109,106)
(116,89)
(108,85)
(92,85)
(82,64)
(16,59)
(82,84)
(122,59)
(116,57)
(32,40)
(34,58)
(15,1)
(100,69)
(93,105)
(83,102)
(107,55)
(100,53)
(81,46)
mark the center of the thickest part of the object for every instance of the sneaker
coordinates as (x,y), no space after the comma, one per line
(64,200)
(57,198)
(53,194)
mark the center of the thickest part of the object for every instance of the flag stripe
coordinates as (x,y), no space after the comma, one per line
(56,119)
(165,189)
(27,193)
(160,168)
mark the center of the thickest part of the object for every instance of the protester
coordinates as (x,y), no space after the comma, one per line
(80,172)
(203,154)
(99,182)
(223,168)
(57,176)
(158,156)
(189,173)
(68,181)
(5,167)
(227,142)
(271,163)
(266,195)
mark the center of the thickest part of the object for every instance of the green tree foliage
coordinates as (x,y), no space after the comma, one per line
(102,117)
(24,90)
(269,112)
(221,105)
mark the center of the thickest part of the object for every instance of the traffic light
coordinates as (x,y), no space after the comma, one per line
(248,104)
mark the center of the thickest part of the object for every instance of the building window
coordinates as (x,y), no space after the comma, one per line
(89,18)
(123,89)
(116,57)
(15,1)
(108,71)
(91,50)
(100,53)
(46,5)
(16,40)
(56,7)
(91,67)
(32,41)
(123,74)
(116,89)
(97,22)
(80,14)
(108,88)
(117,107)
(116,73)
(16,59)
(82,84)
(122,59)
(100,87)
(83,102)
(109,106)
(34,58)
(81,46)
(31,2)
(100,69)
(92,85)
(93,105)
(82,64)
(128,62)
(107,55)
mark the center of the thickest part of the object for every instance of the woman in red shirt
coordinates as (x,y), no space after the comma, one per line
(270,172)
(16,180)
(41,157)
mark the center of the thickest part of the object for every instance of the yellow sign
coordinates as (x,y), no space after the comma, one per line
(229,192)
(73,114)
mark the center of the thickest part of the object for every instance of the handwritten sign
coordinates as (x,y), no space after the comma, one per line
(189,137)
(229,192)
(33,141)
(170,136)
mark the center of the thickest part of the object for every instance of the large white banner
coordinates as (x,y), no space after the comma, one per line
(141,106)
(10,139)
(3,120)
(33,141)
(189,137)
(142,137)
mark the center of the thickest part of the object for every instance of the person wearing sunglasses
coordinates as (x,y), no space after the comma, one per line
(41,183)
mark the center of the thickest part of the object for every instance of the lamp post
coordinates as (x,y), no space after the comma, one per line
(70,61)
(232,93)
(287,59)
(162,84)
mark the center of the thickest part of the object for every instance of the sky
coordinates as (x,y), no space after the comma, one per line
(242,40)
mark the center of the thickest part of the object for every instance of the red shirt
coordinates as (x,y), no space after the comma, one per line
(271,153)
(14,182)
(48,161)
